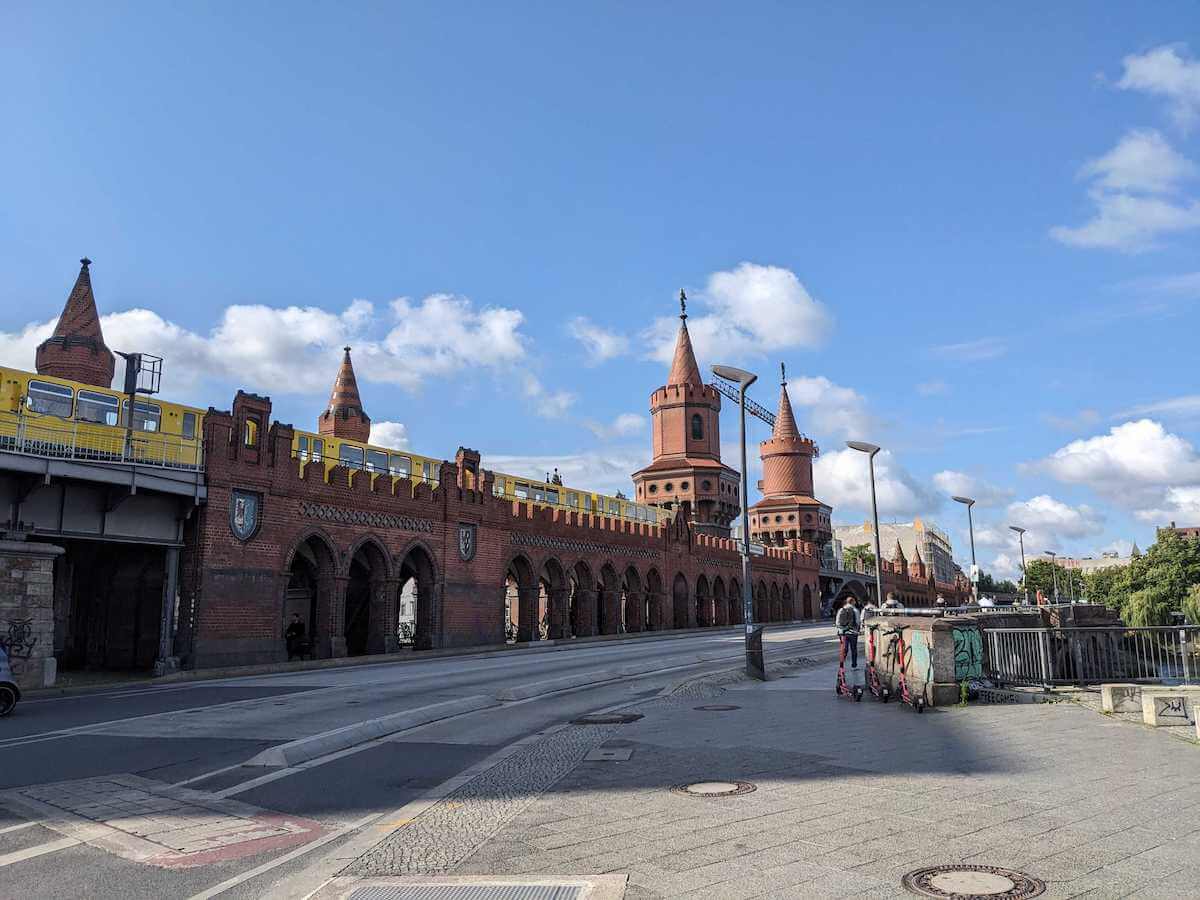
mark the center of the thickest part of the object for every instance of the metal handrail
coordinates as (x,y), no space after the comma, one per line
(49,436)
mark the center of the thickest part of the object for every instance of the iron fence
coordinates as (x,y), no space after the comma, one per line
(55,438)
(1059,656)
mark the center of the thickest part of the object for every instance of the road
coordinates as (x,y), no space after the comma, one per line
(146,791)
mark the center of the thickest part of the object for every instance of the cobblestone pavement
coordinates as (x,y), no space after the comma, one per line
(849,798)
(157,824)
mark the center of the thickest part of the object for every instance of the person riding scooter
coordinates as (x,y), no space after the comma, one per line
(9,692)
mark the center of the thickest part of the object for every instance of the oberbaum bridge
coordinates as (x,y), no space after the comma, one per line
(187,538)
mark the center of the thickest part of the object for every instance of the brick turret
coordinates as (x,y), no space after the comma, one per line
(76,350)
(344,416)
(788,510)
(686,471)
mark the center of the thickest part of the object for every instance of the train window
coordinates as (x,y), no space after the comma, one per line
(521,491)
(349,455)
(498,487)
(377,461)
(99,408)
(552,497)
(539,496)
(302,447)
(318,449)
(427,470)
(573,500)
(697,428)
(401,465)
(188,426)
(614,506)
(48,398)
(146,416)
(587,501)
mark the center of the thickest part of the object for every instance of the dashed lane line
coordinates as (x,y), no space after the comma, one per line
(40,850)
(18,827)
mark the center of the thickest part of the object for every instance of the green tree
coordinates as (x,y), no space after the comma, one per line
(1040,576)
(1154,584)
(1108,586)
(989,585)
(859,553)
(1191,605)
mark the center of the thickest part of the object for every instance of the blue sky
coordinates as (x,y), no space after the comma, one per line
(971,233)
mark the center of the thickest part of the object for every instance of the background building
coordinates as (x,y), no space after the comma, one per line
(915,537)
(1187,531)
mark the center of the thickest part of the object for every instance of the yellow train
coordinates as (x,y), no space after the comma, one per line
(309,446)
(72,420)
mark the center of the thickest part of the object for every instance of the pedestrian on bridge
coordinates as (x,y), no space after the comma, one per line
(848,625)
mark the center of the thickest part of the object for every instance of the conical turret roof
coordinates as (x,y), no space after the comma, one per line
(344,416)
(684,369)
(785,421)
(80,318)
(77,350)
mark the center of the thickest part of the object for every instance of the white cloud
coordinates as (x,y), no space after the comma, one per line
(547,403)
(607,471)
(953,483)
(1142,161)
(932,388)
(1085,418)
(1185,407)
(973,351)
(1165,72)
(393,435)
(1185,286)
(842,479)
(1133,187)
(1133,454)
(832,408)
(1178,504)
(1049,521)
(599,344)
(751,311)
(624,425)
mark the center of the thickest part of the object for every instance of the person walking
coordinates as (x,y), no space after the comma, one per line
(294,637)
(848,626)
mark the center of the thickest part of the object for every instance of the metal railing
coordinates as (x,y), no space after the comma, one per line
(48,436)
(1081,656)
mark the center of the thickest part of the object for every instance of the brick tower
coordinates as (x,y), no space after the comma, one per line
(344,417)
(788,510)
(76,350)
(686,471)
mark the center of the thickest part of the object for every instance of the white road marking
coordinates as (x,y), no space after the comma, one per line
(39,850)
(11,828)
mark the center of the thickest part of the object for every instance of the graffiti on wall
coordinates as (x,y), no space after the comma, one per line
(968,654)
(919,665)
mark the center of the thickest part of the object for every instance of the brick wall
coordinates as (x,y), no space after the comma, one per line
(27,610)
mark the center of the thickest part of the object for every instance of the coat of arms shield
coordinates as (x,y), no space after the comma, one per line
(466,541)
(243,514)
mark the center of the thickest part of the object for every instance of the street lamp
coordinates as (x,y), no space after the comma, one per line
(1054,566)
(1024,575)
(755,661)
(871,450)
(968,502)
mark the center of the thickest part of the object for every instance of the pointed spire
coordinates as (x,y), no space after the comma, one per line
(785,420)
(898,555)
(344,416)
(77,350)
(684,369)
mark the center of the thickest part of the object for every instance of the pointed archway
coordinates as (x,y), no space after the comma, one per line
(679,601)
(704,616)
(417,572)
(720,602)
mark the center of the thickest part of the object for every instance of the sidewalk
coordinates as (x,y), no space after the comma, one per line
(847,799)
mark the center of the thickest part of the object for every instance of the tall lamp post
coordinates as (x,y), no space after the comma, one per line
(968,503)
(755,662)
(1024,575)
(871,450)
(1054,566)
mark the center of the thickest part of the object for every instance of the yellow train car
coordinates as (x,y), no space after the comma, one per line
(309,446)
(73,420)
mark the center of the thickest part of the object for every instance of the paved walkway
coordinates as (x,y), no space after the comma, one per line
(848,798)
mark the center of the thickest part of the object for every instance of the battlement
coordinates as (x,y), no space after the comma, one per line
(670,394)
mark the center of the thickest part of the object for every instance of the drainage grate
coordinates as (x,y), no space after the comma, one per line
(608,719)
(470,892)
(714,789)
(716,707)
(963,882)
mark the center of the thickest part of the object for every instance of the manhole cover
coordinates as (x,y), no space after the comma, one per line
(717,707)
(714,788)
(608,719)
(964,882)
(470,892)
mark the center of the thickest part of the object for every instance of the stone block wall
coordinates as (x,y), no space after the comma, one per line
(27,610)
(940,653)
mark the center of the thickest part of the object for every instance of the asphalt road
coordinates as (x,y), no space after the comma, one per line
(144,792)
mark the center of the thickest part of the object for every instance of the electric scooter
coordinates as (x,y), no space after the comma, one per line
(9,692)
(844,688)
(875,684)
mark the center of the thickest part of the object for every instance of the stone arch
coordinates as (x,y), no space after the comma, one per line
(365,603)
(581,616)
(520,599)
(761,602)
(417,567)
(736,612)
(789,609)
(310,569)
(679,601)
(654,601)
(720,602)
(704,616)
(807,602)
(552,601)
(632,603)
(776,608)
(851,590)
(608,601)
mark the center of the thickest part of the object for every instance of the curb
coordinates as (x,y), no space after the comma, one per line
(302,750)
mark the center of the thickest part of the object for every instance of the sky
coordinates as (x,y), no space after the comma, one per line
(970,232)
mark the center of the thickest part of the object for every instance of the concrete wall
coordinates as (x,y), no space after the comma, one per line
(941,653)
(27,610)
